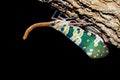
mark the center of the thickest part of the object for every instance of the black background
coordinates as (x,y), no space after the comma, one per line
(45,46)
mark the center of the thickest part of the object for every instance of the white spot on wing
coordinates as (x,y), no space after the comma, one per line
(99,38)
(89,53)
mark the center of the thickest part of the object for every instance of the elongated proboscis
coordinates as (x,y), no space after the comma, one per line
(29,29)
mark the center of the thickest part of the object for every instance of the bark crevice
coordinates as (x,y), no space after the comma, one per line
(104,14)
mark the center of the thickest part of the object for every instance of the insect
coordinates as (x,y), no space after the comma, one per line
(91,44)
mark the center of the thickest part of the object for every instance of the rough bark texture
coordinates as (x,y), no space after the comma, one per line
(104,14)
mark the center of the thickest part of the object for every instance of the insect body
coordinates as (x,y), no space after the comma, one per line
(92,44)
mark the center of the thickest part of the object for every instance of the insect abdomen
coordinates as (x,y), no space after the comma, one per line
(91,44)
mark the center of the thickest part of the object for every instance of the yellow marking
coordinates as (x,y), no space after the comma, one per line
(89,34)
(94,56)
(59,25)
(66,29)
(91,50)
(78,41)
(88,40)
(81,33)
(75,30)
(84,47)
(74,34)
(107,51)
(104,46)
(97,54)
(96,40)
(98,50)
(95,45)
(89,53)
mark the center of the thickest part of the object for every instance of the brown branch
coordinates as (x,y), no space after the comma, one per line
(105,14)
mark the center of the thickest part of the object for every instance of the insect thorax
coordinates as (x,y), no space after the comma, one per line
(58,24)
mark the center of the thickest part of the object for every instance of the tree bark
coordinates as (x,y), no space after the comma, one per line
(103,14)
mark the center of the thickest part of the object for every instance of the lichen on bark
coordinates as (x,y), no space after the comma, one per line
(104,14)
